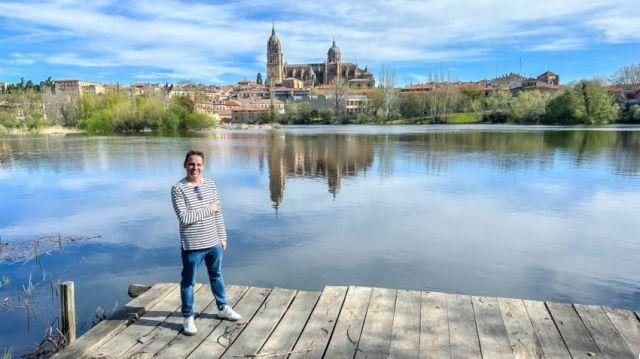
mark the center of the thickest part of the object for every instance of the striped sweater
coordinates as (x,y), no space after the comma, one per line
(200,227)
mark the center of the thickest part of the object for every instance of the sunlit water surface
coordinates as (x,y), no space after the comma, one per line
(529,212)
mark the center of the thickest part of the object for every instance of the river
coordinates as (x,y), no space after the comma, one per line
(545,213)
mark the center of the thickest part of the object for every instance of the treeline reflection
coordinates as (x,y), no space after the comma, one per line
(334,157)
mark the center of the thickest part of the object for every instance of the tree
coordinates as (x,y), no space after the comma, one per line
(627,77)
(338,99)
(529,106)
(443,97)
(388,94)
(588,102)
(259,79)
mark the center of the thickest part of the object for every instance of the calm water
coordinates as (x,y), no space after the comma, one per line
(531,212)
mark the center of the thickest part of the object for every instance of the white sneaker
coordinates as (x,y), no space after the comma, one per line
(189,326)
(229,314)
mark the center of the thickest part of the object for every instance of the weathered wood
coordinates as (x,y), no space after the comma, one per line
(405,333)
(344,340)
(627,325)
(286,334)
(256,333)
(317,331)
(217,342)
(375,340)
(68,311)
(117,322)
(463,334)
(492,333)
(545,328)
(603,332)
(154,341)
(135,290)
(573,331)
(361,322)
(143,326)
(181,345)
(522,336)
(434,326)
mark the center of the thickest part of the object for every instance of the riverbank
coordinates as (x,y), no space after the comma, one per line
(49,130)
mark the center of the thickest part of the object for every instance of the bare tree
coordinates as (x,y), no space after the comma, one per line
(387,87)
(339,92)
(627,77)
(443,95)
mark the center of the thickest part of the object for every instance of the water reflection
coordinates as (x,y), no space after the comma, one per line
(330,156)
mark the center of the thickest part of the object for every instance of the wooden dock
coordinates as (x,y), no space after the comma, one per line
(359,322)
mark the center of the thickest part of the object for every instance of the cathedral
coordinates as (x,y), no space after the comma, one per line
(333,69)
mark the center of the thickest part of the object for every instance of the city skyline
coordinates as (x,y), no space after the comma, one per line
(224,42)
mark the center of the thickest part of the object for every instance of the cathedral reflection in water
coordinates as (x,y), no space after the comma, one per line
(329,156)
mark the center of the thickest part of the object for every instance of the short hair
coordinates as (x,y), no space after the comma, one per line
(193,153)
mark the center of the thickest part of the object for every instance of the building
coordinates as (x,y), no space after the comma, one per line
(298,76)
(250,112)
(353,103)
(510,83)
(515,83)
(546,82)
(77,88)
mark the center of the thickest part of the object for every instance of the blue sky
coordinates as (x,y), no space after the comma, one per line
(222,42)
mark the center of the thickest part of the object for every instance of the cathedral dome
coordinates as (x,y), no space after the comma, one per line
(274,42)
(333,55)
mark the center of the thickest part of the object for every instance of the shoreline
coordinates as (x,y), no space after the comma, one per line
(64,131)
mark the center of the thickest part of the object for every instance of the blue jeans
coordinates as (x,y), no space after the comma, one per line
(190,262)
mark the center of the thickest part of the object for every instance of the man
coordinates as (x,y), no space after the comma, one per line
(203,236)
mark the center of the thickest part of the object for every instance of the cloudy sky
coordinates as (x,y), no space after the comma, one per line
(222,42)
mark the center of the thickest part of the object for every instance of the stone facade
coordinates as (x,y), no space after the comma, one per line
(77,88)
(333,69)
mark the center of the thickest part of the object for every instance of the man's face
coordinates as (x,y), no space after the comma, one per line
(195,166)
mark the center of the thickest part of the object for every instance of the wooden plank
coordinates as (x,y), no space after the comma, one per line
(262,324)
(206,322)
(143,325)
(68,311)
(405,333)
(316,333)
(522,336)
(135,290)
(463,334)
(117,322)
(217,342)
(573,331)
(375,340)
(286,334)
(603,332)
(492,333)
(344,340)
(154,341)
(434,326)
(627,325)
(545,328)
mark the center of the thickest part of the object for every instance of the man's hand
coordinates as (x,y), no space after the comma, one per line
(215,206)
(224,245)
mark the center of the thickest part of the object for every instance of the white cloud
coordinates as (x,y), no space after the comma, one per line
(560,45)
(207,41)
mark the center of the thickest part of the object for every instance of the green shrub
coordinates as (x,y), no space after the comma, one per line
(99,122)
(464,117)
(9,119)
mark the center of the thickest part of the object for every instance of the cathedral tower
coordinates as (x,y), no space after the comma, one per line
(275,66)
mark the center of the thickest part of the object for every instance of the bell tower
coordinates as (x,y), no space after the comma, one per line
(275,67)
